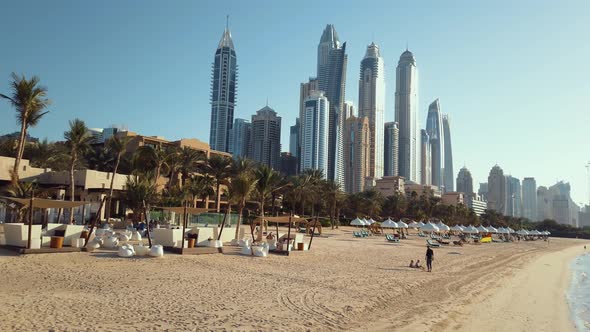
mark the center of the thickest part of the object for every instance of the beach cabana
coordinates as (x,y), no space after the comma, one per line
(402,224)
(26,239)
(173,240)
(389,224)
(414,224)
(522,232)
(457,228)
(491,229)
(470,230)
(289,220)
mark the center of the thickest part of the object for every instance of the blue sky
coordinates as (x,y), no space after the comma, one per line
(512,75)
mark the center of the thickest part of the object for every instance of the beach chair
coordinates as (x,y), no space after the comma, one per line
(364,233)
(432,244)
(357,234)
(391,238)
(458,243)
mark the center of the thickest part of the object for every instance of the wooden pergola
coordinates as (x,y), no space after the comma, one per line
(290,220)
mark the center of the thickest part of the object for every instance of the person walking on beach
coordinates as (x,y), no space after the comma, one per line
(429,258)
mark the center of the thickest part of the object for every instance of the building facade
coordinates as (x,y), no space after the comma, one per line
(483,191)
(372,106)
(465,181)
(294,139)
(240,138)
(390,185)
(288,164)
(453,198)
(529,199)
(448,172)
(266,138)
(513,197)
(331,73)
(425,165)
(223,93)
(314,133)
(477,204)
(357,149)
(406,115)
(391,149)
(497,190)
(434,129)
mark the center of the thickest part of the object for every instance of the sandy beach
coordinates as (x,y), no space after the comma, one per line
(342,283)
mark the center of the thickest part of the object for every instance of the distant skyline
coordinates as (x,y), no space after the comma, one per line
(511,76)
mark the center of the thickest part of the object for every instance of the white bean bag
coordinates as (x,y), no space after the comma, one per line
(157,251)
(125,251)
(259,251)
(110,242)
(136,236)
(246,250)
(244,243)
(141,250)
(93,244)
(272,244)
(124,237)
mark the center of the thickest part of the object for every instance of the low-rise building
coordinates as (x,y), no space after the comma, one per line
(476,203)
(453,198)
(390,185)
(421,189)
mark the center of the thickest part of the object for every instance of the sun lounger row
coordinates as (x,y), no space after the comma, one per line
(362,233)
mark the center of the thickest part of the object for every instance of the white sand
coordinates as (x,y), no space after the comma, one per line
(342,283)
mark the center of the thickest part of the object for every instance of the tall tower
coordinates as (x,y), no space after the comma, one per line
(426,158)
(513,197)
(465,181)
(314,133)
(391,147)
(239,141)
(448,158)
(266,138)
(223,93)
(331,72)
(406,110)
(357,148)
(529,199)
(435,133)
(372,106)
(294,139)
(497,190)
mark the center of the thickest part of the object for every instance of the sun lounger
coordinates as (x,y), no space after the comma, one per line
(432,244)
(458,243)
(442,241)
(391,238)
(357,234)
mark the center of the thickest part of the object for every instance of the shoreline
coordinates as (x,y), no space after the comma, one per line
(534,299)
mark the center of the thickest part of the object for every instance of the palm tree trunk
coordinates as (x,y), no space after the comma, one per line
(110,200)
(19,152)
(239,223)
(217,196)
(262,222)
(158,170)
(72,186)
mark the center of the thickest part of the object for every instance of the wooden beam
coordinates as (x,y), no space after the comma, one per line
(30,221)
(93,224)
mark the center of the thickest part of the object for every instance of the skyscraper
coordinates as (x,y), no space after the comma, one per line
(223,93)
(448,158)
(266,137)
(239,140)
(483,191)
(497,190)
(372,106)
(331,72)
(314,133)
(357,139)
(426,164)
(294,139)
(391,147)
(348,109)
(435,133)
(513,196)
(406,115)
(529,199)
(465,181)
(305,90)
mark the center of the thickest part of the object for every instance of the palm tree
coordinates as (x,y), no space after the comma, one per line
(199,187)
(241,188)
(19,190)
(29,101)
(242,165)
(150,157)
(220,169)
(332,191)
(265,185)
(78,142)
(139,193)
(117,146)
(189,160)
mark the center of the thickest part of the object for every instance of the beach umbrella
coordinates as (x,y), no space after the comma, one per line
(470,230)
(443,228)
(429,227)
(420,224)
(503,230)
(457,228)
(510,230)
(371,221)
(389,224)
(357,222)
(414,224)
(491,229)
(522,232)
(402,224)
(482,229)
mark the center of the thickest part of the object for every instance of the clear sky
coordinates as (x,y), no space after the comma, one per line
(514,76)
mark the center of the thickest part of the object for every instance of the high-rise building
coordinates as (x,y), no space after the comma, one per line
(357,149)
(556,203)
(294,139)
(434,129)
(331,72)
(266,137)
(406,115)
(372,105)
(288,164)
(529,199)
(348,109)
(426,164)
(483,191)
(513,196)
(465,181)
(314,133)
(223,93)
(391,147)
(239,139)
(448,157)
(497,190)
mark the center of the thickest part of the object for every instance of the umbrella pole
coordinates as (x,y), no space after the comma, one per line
(289,234)
(59,212)
(30,221)
(312,233)
(95,220)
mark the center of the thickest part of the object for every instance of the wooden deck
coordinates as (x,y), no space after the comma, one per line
(194,251)
(44,250)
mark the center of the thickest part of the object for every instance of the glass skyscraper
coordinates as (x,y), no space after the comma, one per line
(391,147)
(314,133)
(223,93)
(529,199)
(406,115)
(448,159)
(435,133)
